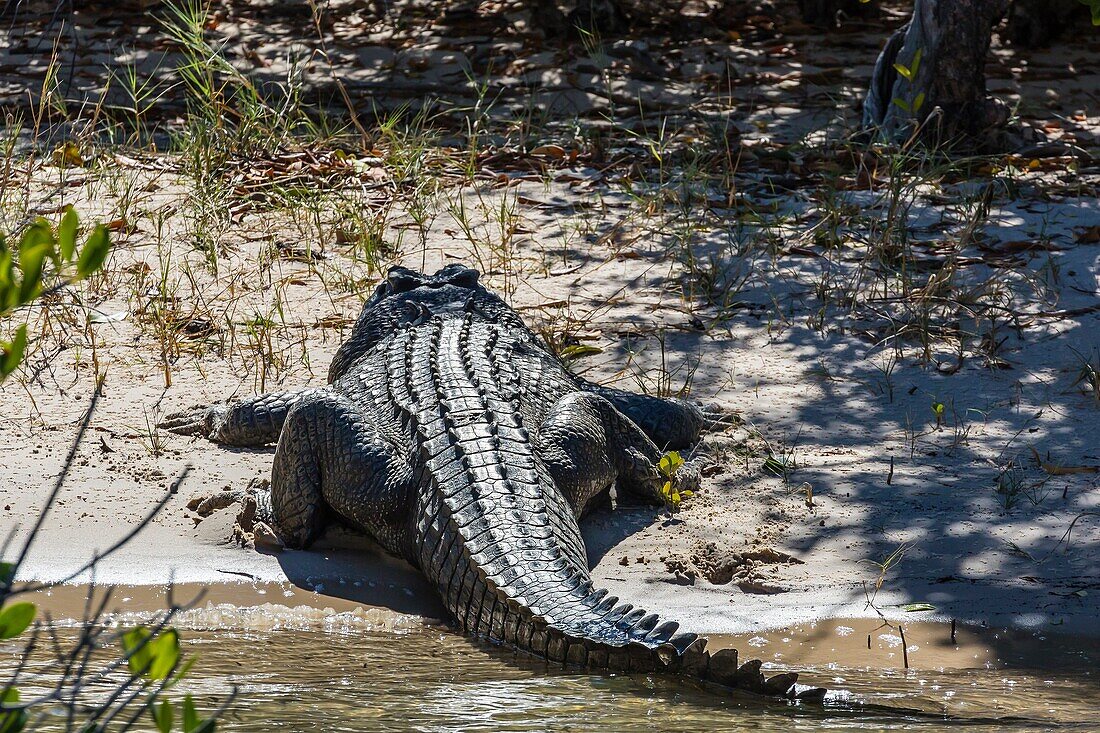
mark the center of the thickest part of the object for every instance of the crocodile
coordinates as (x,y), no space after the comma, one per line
(452,435)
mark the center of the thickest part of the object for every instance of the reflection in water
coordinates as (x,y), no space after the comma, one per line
(417,677)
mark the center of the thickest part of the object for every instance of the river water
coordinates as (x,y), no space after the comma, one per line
(326,669)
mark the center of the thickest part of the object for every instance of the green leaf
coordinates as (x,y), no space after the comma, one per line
(190,717)
(37,233)
(8,293)
(162,715)
(915,63)
(904,71)
(12,721)
(66,234)
(915,607)
(12,353)
(776,466)
(918,102)
(14,619)
(94,253)
(901,103)
(35,245)
(31,261)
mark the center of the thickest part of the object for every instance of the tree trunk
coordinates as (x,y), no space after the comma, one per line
(941,88)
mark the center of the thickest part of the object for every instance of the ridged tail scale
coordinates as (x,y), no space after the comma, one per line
(496,536)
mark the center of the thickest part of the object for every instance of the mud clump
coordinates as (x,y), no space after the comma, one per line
(722,565)
(718,565)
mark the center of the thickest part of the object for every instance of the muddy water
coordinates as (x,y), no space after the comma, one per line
(301,662)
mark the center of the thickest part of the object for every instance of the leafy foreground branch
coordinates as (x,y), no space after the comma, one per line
(75,688)
(45,261)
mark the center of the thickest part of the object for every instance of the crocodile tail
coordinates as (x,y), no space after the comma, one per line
(591,629)
(497,537)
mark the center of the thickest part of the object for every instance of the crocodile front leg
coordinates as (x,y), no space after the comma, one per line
(253,422)
(588,445)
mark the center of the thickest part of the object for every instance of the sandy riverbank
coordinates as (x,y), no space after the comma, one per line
(750,552)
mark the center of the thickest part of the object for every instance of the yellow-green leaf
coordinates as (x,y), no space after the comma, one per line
(669,463)
(166,654)
(162,715)
(135,644)
(918,102)
(153,657)
(579,351)
(915,607)
(14,619)
(904,71)
(12,721)
(32,258)
(66,234)
(190,716)
(12,353)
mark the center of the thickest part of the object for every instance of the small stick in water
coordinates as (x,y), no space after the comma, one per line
(904,648)
(890,476)
(952,631)
(868,641)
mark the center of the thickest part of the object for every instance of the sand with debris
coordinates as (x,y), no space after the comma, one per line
(935,447)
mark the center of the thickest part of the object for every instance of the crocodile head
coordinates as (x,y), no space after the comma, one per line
(407,297)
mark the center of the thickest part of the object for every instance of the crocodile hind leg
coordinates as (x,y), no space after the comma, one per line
(588,445)
(331,459)
(669,422)
(253,422)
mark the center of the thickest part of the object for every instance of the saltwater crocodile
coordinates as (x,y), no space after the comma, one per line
(452,435)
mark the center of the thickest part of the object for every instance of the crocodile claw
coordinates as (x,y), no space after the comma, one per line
(197,420)
(718,417)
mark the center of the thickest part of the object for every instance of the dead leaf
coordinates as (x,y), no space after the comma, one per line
(67,155)
(1088,235)
(556,152)
(1056,470)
